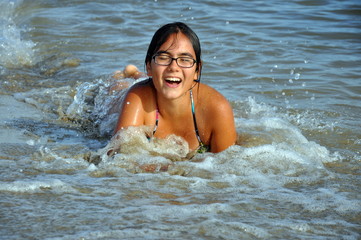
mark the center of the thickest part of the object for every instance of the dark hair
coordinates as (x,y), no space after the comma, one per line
(162,35)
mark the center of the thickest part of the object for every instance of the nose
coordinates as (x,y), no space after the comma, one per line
(173,64)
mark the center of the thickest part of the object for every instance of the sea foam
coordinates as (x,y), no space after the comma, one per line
(34,186)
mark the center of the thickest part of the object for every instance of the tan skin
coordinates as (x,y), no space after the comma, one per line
(213,112)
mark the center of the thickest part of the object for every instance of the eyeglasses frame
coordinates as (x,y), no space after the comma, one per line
(173,59)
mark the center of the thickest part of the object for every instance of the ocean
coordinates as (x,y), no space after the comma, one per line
(290,69)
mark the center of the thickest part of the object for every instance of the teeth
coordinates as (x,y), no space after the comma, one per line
(173,79)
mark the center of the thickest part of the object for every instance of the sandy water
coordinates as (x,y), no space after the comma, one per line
(290,70)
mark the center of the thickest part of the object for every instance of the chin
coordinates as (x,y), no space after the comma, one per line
(173,94)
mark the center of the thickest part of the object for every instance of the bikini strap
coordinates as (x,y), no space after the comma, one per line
(156,121)
(202,148)
(194,119)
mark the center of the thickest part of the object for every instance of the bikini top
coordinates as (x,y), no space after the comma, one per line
(202,148)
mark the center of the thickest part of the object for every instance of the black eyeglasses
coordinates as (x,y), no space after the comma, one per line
(165,60)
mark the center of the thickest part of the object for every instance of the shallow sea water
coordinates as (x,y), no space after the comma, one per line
(290,70)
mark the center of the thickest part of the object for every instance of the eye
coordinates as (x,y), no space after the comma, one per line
(163,57)
(186,59)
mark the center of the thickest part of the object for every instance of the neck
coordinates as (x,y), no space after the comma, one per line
(174,107)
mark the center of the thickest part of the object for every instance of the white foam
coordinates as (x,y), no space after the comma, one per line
(289,158)
(133,140)
(280,156)
(49,160)
(34,186)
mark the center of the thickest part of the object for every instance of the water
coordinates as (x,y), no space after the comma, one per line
(290,70)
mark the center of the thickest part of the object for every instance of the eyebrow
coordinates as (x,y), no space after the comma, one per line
(182,54)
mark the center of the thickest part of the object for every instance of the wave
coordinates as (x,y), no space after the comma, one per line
(264,135)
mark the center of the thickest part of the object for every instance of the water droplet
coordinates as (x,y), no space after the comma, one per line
(290,80)
(297,76)
(30,142)
(292,72)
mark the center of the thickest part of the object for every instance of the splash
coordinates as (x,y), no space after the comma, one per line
(96,106)
(132,150)
(15,51)
(269,150)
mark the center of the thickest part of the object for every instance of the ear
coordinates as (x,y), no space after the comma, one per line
(197,73)
(149,69)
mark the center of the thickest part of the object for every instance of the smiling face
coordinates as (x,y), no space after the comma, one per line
(172,81)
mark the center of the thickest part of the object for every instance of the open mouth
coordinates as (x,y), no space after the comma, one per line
(173,82)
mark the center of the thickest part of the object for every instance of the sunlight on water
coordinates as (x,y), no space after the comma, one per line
(293,174)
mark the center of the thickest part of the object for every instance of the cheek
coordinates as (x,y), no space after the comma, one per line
(154,70)
(194,75)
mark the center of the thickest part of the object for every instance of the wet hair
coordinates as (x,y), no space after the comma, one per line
(162,35)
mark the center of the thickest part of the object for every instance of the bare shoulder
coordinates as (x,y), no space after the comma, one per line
(141,92)
(141,88)
(213,101)
(218,118)
(136,106)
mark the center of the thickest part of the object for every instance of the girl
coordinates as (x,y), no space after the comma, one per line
(173,100)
